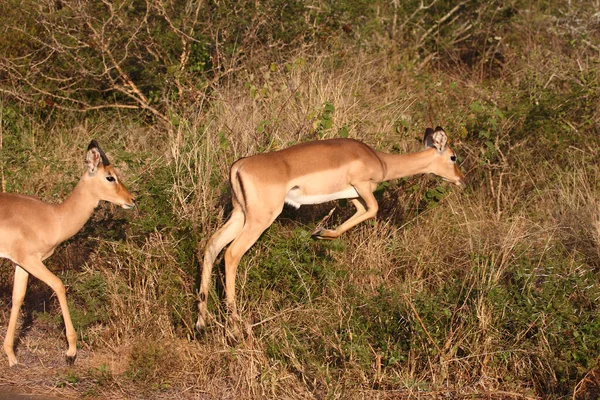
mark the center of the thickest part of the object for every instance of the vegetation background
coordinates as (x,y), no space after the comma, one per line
(488,292)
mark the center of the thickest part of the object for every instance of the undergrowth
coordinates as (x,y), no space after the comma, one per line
(490,291)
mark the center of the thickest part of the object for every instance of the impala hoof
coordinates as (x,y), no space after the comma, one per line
(322,234)
(233,337)
(71,359)
(200,328)
(202,323)
(233,334)
(317,233)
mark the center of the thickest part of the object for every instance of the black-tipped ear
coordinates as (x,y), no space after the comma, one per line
(94,144)
(94,157)
(427,138)
(436,139)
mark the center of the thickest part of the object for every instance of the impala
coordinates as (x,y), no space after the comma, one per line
(311,173)
(30,231)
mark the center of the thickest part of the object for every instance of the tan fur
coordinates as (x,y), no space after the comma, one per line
(30,231)
(311,173)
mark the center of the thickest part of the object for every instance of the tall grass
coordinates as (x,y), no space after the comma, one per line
(491,291)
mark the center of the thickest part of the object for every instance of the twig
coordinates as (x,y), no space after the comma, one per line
(412,307)
(284,312)
(441,21)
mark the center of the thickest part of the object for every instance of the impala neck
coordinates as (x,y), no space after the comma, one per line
(403,165)
(77,208)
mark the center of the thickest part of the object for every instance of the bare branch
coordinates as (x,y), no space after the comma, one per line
(440,22)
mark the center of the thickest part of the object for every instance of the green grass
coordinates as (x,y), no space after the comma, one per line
(490,291)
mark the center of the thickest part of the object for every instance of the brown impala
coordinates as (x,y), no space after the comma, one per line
(311,173)
(30,230)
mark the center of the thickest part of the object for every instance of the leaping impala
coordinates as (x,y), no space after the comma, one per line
(30,230)
(311,173)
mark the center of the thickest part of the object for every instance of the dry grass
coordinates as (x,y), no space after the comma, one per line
(487,292)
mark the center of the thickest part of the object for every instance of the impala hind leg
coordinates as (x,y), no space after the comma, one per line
(363,212)
(18,295)
(255,225)
(216,243)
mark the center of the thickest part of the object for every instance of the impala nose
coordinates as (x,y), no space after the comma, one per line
(129,205)
(461,182)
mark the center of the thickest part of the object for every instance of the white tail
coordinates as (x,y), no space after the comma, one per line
(30,230)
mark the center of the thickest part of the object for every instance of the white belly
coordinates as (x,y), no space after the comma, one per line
(295,198)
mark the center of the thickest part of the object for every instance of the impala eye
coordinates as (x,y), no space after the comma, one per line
(110,178)
(453,158)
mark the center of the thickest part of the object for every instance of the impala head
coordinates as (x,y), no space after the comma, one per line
(106,184)
(444,164)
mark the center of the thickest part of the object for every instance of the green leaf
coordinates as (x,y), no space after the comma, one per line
(343,132)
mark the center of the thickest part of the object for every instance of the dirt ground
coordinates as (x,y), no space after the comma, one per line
(8,393)
(42,373)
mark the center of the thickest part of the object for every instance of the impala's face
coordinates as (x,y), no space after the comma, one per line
(446,167)
(444,163)
(104,180)
(111,189)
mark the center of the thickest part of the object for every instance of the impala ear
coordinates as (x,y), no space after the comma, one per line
(436,139)
(94,157)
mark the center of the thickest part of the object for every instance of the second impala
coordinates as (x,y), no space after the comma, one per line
(311,173)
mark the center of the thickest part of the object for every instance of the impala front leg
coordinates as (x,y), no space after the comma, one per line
(362,214)
(36,268)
